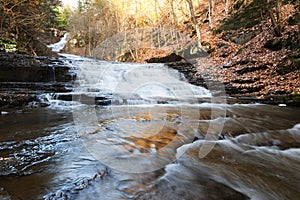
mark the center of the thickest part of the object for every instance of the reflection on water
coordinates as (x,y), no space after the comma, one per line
(255,156)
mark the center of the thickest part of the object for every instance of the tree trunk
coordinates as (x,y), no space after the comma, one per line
(227,7)
(193,18)
(210,12)
(278,15)
(276,21)
(173,13)
(298,15)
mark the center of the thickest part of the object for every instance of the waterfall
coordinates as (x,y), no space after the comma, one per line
(131,83)
(57,47)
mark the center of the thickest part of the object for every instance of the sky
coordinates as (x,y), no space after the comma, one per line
(72,3)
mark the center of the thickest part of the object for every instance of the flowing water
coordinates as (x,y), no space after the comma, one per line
(135,131)
(57,47)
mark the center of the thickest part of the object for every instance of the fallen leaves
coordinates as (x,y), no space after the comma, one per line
(246,59)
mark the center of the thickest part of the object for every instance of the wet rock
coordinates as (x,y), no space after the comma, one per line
(34,87)
(70,192)
(4,195)
(30,69)
(280,98)
(24,77)
(15,100)
(189,71)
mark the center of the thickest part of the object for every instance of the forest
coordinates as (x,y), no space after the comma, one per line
(172,22)
(92,22)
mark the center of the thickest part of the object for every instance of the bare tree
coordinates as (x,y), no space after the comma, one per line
(193,18)
(26,20)
(227,2)
(211,5)
(298,15)
(175,20)
(275,18)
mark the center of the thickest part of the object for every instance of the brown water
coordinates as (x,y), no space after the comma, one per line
(153,152)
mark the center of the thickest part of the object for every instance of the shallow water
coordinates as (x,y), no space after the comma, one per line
(112,139)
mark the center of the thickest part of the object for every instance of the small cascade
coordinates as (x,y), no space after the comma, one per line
(57,47)
(131,84)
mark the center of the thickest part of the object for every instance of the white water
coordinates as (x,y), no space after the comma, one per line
(126,83)
(131,83)
(57,47)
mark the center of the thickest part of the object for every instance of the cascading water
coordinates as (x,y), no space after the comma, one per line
(57,47)
(128,81)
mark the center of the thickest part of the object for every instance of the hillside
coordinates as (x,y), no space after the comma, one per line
(252,60)
(248,57)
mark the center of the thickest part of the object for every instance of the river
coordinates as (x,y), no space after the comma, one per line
(140,131)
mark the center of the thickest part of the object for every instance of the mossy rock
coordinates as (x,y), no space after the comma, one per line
(245,18)
(296,54)
(240,51)
(4,40)
(8,45)
(295,97)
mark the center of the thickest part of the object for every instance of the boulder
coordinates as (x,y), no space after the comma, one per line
(173,57)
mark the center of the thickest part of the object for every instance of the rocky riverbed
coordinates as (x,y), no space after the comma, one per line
(23,78)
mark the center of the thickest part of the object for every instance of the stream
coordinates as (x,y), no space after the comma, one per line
(140,131)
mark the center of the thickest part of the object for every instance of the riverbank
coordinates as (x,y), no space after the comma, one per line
(247,57)
(255,64)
